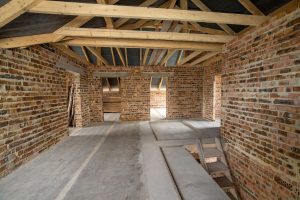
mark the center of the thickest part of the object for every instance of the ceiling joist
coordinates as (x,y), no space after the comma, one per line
(100,10)
(134,43)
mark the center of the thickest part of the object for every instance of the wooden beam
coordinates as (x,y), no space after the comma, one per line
(146,3)
(14,9)
(97,54)
(25,41)
(203,58)
(121,56)
(160,83)
(160,57)
(107,81)
(71,53)
(203,7)
(251,7)
(133,43)
(85,54)
(168,56)
(113,55)
(181,54)
(108,21)
(190,57)
(100,10)
(176,28)
(165,27)
(202,29)
(126,57)
(145,56)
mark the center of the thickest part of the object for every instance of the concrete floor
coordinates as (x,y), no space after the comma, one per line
(113,161)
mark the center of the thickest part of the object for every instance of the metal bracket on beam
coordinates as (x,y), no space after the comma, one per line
(110,74)
(69,66)
(158,74)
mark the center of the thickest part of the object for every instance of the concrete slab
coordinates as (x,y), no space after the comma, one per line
(111,117)
(43,177)
(157,176)
(204,128)
(172,130)
(157,114)
(193,181)
(115,171)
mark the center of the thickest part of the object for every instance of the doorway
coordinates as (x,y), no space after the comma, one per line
(158,97)
(111,99)
(217,98)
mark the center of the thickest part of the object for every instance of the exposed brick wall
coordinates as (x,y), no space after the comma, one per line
(158,98)
(261,109)
(111,94)
(135,91)
(82,114)
(217,96)
(185,92)
(95,98)
(211,90)
(33,105)
(135,97)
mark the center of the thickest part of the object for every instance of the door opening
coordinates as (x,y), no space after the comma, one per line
(217,98)
(111,99)
(158,97)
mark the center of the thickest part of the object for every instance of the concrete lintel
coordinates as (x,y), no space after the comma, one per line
(69,66)
(158,74)
(110,74)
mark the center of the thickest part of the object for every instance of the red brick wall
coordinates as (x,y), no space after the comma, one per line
(184,93)
(158,98)
(261,109)
(33,105)
(95,98)
(135,97)
(211,90)
(217,96)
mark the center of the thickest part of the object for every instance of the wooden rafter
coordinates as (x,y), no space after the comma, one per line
(145,56)
(97,54)
(190,57)
(121,56)
(71,53)
(140,23)
(180,55)
(109,22)
(113,55)
(160,83)
(204,58)
(108,84)
(126,57)
(100,10)
(195,26)
(251,7)
(166,25)
(168,56)
(14,9)
(203,7)
(176,28)
(121,21)
(85,54)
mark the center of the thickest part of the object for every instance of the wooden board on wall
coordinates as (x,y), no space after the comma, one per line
(112,104)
